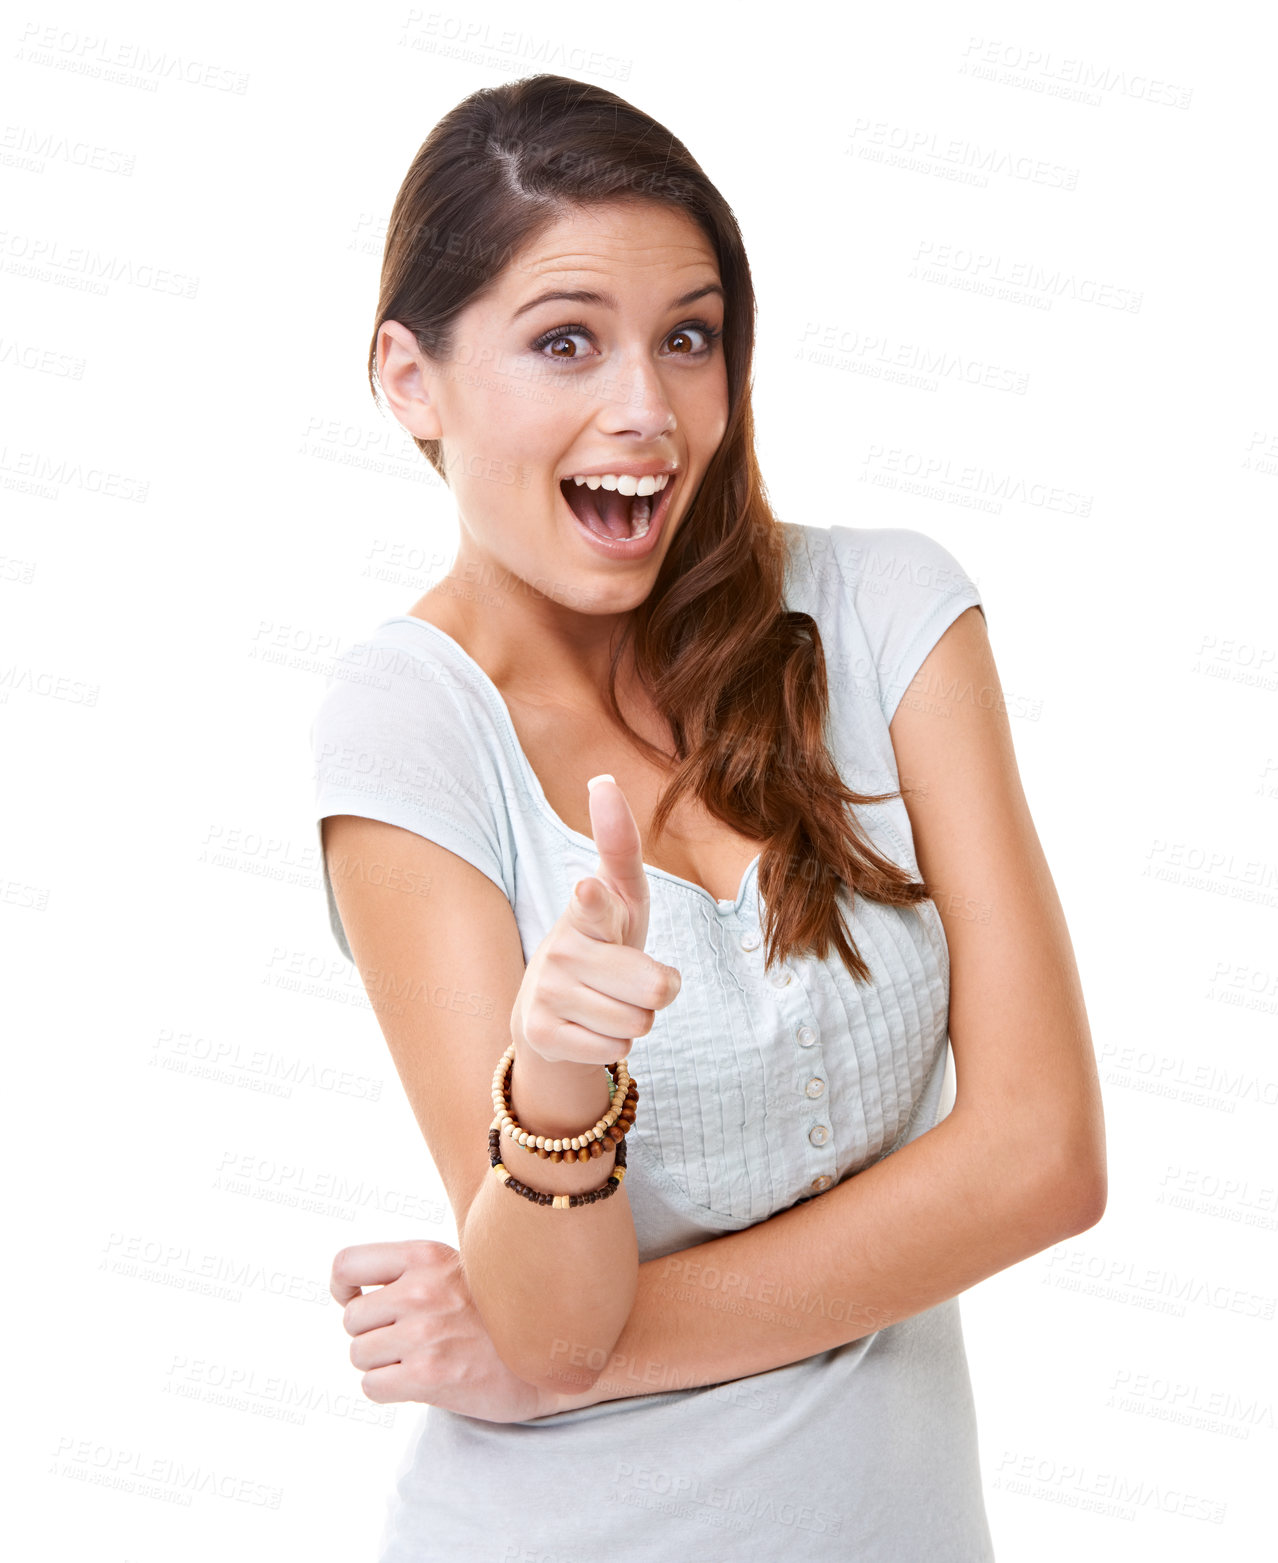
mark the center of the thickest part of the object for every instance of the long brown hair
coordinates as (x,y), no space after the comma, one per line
(741,681)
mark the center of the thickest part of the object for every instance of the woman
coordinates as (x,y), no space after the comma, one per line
(624,788)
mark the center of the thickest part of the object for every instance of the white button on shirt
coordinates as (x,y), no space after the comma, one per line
(819,1135)
(815,1086)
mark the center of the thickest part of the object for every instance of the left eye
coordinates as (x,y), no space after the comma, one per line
(686,331)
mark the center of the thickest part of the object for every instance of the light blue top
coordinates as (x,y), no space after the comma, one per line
(758,1090)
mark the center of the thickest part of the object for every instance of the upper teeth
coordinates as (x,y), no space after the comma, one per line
(624,483)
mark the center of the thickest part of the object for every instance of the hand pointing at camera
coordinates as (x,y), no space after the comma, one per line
(590,989)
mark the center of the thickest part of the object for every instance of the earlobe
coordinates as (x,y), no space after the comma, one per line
(407,383)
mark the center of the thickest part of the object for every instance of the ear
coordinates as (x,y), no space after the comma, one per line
(408,380)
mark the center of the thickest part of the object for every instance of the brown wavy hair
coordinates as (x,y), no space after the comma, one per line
(741,680)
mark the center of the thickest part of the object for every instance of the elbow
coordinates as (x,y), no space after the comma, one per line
(560,1369)
(566,1381)
(556,1345)
(544,1350)
(558,1353)
(1053,1175)
(1065,1143)
(1086,1202)
(1072,1191)
(577,1356)
(561,1349)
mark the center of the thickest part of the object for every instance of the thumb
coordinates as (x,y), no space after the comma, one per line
(598,911)
(589,897)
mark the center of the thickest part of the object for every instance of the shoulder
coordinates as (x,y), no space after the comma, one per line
(883,571)
(405,733)
(896,573)
(402,663)
(404,694)
(885,596)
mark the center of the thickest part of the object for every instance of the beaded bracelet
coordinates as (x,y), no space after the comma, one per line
(559,1201)
(615,1123)
(612,1127)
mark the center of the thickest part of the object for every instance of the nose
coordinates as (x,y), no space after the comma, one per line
(636,400)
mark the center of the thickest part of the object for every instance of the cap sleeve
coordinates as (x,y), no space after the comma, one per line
(400,738)
(907,590)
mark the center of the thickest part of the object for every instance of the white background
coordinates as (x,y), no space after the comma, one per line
(203,507)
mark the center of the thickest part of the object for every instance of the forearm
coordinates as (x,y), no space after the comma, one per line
(540,1274)
(918,1227)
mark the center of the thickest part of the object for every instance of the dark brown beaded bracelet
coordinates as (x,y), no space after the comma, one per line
(560,1201)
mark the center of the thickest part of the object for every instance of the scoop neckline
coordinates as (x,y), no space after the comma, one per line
(533,782)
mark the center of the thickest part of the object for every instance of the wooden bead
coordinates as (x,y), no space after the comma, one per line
(608,1132)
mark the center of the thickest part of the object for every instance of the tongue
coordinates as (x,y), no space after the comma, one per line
(603,510)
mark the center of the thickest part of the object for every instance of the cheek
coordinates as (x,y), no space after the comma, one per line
(705,414)
(502,410)
(506,450)
(533,429)
(711,426)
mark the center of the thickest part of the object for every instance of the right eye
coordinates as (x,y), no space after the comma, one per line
(561,335)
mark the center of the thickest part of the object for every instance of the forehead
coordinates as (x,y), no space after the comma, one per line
(640,240)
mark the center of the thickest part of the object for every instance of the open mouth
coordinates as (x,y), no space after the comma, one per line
(613,516)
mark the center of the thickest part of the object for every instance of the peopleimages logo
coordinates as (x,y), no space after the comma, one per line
(745,1504)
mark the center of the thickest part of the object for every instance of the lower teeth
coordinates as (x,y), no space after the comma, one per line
(642,508)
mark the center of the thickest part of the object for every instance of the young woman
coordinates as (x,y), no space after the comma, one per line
(654,787)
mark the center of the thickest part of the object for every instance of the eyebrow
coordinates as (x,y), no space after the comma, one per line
(606,300)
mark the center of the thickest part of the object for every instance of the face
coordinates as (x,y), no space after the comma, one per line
(539,390)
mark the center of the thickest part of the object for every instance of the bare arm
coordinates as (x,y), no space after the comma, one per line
(918,1227)
(443,971)
(1017,1165)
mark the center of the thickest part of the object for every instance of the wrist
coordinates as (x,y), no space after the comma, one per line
(531,1062)
(555,1097)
